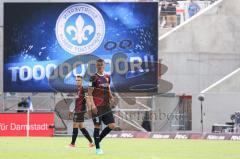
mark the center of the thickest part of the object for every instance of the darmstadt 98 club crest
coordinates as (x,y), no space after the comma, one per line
(80,29)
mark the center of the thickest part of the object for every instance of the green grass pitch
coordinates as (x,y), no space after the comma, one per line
(56,148)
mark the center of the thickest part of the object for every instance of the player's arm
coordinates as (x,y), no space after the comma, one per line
(110,92)
(91,105)
(88,102)
(112,100)
(71,110)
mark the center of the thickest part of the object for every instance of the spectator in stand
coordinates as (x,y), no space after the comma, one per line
(172,13)
(212,1)
(193,8)
(163,13)
(22,105)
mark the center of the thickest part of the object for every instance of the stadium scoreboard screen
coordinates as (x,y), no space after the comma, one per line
(47,44)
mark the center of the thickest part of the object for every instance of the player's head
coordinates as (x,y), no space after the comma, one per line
(79,80)
(100,65)
(23,99)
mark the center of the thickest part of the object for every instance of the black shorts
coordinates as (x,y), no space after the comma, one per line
(106,118)
(78,117)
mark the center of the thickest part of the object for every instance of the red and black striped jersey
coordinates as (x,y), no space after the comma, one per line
(100,85)
(80,102)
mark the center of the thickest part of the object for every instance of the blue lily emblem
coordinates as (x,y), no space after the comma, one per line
(80,30)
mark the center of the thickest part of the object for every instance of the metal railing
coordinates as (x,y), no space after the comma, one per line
(128,116)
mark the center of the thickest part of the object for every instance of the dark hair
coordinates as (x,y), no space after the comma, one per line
(100,60)
(78,76)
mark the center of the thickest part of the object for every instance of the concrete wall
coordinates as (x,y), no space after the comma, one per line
(229,84)
(199,54)
(204,50)
(217,109)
